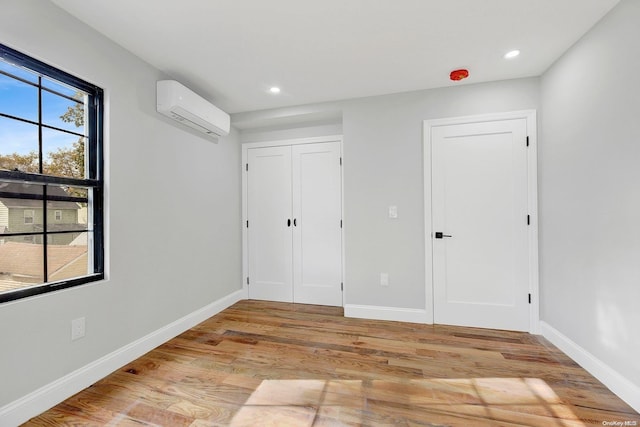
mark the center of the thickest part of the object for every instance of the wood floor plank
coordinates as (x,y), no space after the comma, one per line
(262,363)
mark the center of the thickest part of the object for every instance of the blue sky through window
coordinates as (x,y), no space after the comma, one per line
(20,99)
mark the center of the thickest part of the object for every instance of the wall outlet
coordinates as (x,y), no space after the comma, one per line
(393,212)
(384,279)
(77,328)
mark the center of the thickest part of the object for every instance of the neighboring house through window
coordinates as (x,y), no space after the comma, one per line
(28,216)
(51,178)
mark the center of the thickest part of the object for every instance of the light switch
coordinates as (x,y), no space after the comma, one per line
(384,279)
(393,212)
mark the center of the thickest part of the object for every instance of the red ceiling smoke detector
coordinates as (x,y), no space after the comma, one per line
(457,75)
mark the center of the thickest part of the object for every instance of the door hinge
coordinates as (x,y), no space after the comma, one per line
(247,223)
(529,298)
(247,280)
(528,219)
(340,161)
(527,141)
(342,286)
(340,223)
(246,167)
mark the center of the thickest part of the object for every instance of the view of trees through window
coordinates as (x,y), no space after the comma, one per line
(64,161)
(48,179)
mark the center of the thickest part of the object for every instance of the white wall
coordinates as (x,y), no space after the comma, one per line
(301,121)
(383,166)
(590,193)
(288,132)
(383,159)
(173,223)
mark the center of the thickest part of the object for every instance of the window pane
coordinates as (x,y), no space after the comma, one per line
(19,72)
(47,230)
(18,99)
(21,264)
(64,154)
(18,145)
(58,87)
(72,214)
(62,112)
(21,211)
(79,192)
(67,260)
(85,215)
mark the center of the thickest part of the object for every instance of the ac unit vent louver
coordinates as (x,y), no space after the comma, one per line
(185,106)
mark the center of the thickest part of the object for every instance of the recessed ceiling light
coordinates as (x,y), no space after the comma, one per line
(512,54)
(274,90)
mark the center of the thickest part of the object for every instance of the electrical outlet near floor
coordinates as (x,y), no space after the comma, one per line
(77,328)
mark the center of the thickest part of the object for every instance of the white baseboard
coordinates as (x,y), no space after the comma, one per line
(385,313)
(33,404)
(617,383)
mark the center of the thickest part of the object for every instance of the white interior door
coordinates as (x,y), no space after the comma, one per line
(269,232)
(479,199)
(317,237)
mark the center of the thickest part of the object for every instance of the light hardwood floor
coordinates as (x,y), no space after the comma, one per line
(274,364)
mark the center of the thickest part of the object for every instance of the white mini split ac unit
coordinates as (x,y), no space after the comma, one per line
(187,107)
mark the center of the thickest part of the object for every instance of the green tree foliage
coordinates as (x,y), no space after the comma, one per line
(21,162)
(75,114)
(66,162)
(70,162)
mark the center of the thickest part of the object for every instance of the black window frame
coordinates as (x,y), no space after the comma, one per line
(94,174)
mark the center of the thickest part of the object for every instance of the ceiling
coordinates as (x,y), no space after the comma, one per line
(233,51)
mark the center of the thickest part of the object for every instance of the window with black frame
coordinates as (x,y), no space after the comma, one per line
(51,178)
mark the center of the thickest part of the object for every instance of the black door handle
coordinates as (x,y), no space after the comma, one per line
(289,223)
(294,222)
(440,235)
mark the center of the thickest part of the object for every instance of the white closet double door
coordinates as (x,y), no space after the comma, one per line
(294,229)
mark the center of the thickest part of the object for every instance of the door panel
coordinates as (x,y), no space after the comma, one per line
(317,241)
(268,235)
(479,197)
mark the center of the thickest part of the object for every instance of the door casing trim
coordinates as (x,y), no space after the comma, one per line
(532,200)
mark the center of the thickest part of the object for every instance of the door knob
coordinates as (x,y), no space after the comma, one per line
(440,235)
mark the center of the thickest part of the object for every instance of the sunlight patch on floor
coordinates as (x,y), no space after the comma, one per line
(308,402)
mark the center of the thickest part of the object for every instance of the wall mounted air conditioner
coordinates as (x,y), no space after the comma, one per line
(187,107)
